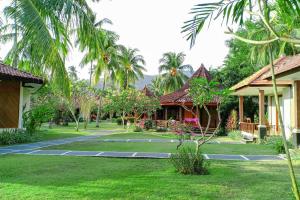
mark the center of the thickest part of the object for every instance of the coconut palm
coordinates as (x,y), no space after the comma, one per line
(286,10)
(156,86)
(174,72)
(130,66)
(43,33)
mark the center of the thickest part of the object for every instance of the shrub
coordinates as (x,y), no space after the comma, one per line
(232,121)
(119,121)
(131,119)
(148,124)
(138,129)
(235,135)
(187,161)
(15,136)
(161,129)
(221,132)
(277,143)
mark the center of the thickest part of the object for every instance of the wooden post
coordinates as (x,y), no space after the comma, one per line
(297,105)
(241,108)
(180,114)
(166,113)
(261,100)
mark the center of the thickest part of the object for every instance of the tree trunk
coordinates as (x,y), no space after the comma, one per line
(123,120)
(91,73)
(100,103)
(288,156)
(15,59)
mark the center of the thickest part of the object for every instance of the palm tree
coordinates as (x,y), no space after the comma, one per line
(130,66)
(43,29)
(156,86)
(72,73)
(286,10)
(173,71)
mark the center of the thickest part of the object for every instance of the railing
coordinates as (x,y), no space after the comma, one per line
(249,127)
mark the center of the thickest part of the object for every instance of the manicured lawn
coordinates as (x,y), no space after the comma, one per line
(248,149)
(151,134)
(55,177)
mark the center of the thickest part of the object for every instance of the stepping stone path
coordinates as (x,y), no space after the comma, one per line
(35,149)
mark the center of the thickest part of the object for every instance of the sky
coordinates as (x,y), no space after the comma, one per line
(153,27)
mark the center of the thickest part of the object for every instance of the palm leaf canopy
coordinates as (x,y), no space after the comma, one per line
(44,27)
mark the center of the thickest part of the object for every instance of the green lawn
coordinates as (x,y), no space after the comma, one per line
(55,177)
(97,145)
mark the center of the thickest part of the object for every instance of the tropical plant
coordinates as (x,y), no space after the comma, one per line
(72,73)
(41,31)
(156,86)
(174,72)
(288,11)
(187,161)
(130,66)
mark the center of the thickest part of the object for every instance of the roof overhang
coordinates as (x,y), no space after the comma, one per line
(254,90)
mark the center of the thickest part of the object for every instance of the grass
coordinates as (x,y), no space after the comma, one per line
(54,177)
(98,145)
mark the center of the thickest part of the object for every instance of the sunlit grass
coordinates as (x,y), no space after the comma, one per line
(55,177)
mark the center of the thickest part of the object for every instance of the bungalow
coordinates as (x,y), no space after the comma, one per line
(287,72)
(174,104)
(15,89)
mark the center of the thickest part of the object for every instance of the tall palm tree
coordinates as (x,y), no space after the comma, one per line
(43,29)
(173,71)
(101,53)
(130,66)
(96,46)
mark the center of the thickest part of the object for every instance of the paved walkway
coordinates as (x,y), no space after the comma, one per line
(145,155)
(43,144)
(35,149)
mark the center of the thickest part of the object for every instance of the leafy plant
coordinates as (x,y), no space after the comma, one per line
(148,124)
(189,161)
(138,129)
(15,136)
(232,121)
(277,143)
(161,129)
(235,135)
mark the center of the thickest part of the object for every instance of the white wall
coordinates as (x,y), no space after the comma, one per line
(286,110)
(24,103)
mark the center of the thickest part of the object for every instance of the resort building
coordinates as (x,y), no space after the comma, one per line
(15,89)
(287,72)
(179,106)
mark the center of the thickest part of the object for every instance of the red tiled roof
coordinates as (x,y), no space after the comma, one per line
(281,65)
(181,95)
(10,73)
(147,92)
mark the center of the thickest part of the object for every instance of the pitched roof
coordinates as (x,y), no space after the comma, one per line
(147,92)
(10,73)
(281,65)
(181,95)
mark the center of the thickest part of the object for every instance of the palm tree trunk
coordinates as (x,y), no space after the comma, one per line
(288,156)
(15,59)
(91,73)
(100,104)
